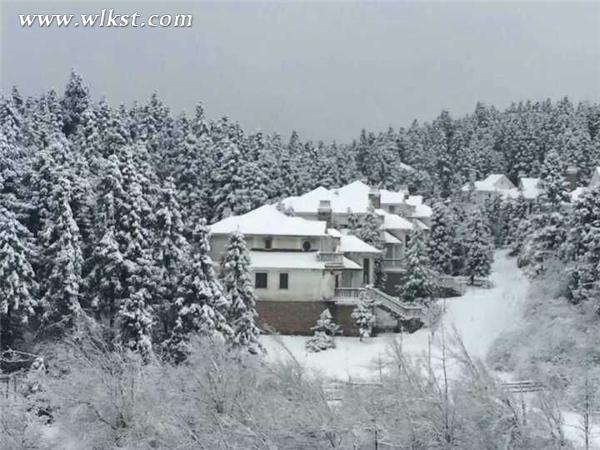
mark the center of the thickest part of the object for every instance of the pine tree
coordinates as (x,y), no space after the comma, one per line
(136,322)
(237,286)
(581,250)
(418,283)
(442,237)
(324,332)
(479,246)
(201,306)
(75,101)
(62,262)
(18,298)
(364,315)
(170,255)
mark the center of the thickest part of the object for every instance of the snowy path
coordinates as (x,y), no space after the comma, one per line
(479,317)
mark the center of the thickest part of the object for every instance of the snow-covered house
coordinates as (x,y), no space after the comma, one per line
(495,184)
(530,188)
(594,182)
(398,212)
(300,267)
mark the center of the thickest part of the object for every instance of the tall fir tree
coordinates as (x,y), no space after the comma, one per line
(418,281)
(479,246)
(18,288)
(237,286)
(61,266)
(442,239)
(201,306)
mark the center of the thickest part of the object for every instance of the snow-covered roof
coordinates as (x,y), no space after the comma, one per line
(352,244)
(334,233)
(352,197)
(420,225)
(268,220)
(393,221)
(530,187)
(391,198)
(421,210)
(293,260)
(389,238)
(489,184)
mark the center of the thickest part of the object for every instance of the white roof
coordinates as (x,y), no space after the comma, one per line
(391,198)
(334,233)
(393,221)
(268,220)
(292,260)
(530,187)
(420,225)
(352,244)
(487,184)
(389,238)
(421,210)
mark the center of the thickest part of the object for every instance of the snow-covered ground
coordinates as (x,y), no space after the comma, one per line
(479,317)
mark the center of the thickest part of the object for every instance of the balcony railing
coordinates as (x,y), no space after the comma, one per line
(348,293)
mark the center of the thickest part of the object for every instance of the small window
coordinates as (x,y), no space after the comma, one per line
(268,243)
(260,280)
(283,280)
(392,209)
(306,246)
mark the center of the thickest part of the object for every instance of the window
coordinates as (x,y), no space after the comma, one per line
(268,243)
(366,271)
(283,280)
(392,209)
(260,280)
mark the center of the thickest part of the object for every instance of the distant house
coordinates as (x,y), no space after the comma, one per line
(300,267)
(594,182)
(530,188)
(495,184)
(399,213)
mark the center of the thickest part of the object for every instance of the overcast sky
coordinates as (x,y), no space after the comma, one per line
(324,69)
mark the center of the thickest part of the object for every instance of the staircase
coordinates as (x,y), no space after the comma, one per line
(394,305)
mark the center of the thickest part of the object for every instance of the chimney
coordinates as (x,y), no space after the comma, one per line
(324,213)
(404,188)
(571,176)
(375,198)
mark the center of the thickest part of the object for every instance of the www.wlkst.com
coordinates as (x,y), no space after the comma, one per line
(105,19)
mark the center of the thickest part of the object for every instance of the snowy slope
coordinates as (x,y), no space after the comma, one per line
(479,317)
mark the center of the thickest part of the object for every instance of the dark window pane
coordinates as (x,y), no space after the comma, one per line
(260,280)
(283,280)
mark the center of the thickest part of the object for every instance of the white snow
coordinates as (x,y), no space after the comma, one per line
(393,221)
(352,244)
(479,317)
(268,220)
(421,209)
(392,198)
(492,183)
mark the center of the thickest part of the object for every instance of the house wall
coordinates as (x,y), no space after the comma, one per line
(298,317)
(218,242)
(358,259)
(304,285)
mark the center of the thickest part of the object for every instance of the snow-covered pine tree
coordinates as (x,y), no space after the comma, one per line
(237,285)
(479,246)
(18,298)
(201,306)
(442,239)
(170,254)
(136,321)
(549,224)
(364,315)
(582,249)
(418,281)
(61,264)
(324,333)
(75,101)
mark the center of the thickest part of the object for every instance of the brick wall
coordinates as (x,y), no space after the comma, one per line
(298,317)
